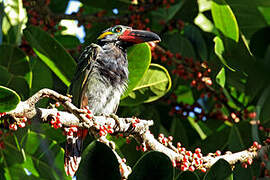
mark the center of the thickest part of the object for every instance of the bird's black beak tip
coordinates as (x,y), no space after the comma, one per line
(140,36)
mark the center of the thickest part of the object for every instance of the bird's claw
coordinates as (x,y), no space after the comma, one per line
(117,120)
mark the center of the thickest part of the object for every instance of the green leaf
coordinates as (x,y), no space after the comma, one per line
(15,70)
(42,78)
(219,51)
(195,36)
(14,21)
(259,42)
(221,78)
(177,43)
(187,175)
(68,41)
(154,84)
(139,58)
(221,170)
(98,162)
(235,141)
(153,165)
(44,158)
(166,14)
(8,99)
(224,19)
(51,53)
(184,94)
(249,19)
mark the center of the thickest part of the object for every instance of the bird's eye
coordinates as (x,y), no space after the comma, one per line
(118,29)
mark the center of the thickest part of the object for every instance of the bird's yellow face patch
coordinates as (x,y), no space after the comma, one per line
(104,34)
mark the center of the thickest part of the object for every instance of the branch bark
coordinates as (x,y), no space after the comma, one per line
(139,129)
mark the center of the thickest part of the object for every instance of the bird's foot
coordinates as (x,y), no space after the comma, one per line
(117,120)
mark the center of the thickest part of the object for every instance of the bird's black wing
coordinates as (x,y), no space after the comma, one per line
(84,68)
(74,141)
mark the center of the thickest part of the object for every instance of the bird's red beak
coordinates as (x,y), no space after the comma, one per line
(139,36)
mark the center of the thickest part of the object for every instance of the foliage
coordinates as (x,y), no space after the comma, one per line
(207,83)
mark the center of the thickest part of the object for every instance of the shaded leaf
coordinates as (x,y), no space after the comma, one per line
(235,141)
(15,70)
(221,170)
(8,99)
(249,19)
(196,38)
(153,165)
(187,175)
(154,84)
(51,53)
(98,162)
(68,41)
(177,43)
(45,156)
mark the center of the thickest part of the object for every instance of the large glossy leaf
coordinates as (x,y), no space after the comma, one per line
(98,162)
(68,41)
(139,58)
(187,175)
(51,53)
(153,165)
(177,43)
(249,19)
(154,84)
(14,21)
(196,38)
(43,158)
(224,19)
(15,70)
(235,141)
(259,42)
(8,99)
(221,170)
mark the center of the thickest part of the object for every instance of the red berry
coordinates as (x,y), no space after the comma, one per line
(249,161)
(218,153)
(191,168)
(21,124)
(57,104)
(24,119)
(197,150)
(189,153)
(203,170)
(13,127)
(184,168)
(255,144)
(244,165)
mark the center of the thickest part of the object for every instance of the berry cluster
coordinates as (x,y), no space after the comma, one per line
(190,161)
(21,123)
(55,122)
(35,12)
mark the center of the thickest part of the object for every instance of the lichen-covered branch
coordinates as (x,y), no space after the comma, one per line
(100,126)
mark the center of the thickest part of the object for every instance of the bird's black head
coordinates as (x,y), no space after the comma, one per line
(126,36)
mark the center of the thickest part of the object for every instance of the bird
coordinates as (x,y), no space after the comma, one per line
(101,78)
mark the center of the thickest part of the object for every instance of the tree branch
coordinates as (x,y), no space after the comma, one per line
(137,128)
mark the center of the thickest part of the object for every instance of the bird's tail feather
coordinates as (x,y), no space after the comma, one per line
(73,151)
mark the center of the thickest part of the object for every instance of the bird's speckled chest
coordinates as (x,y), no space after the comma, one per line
(107,80)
